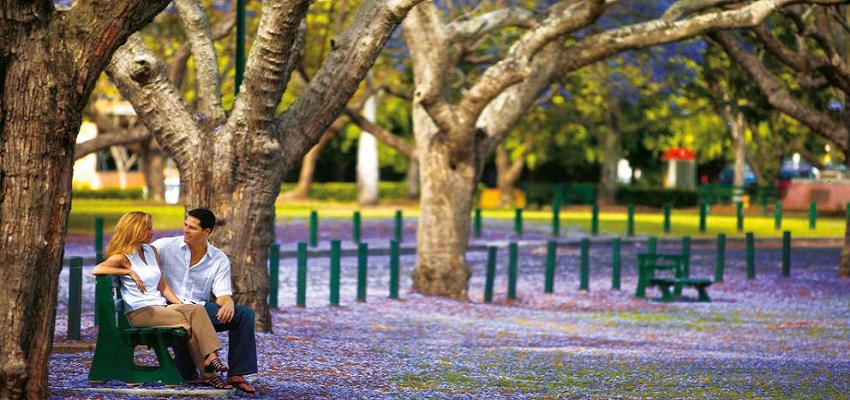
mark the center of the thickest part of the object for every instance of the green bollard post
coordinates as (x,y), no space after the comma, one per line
(399,226)
(651,244)
(630,224)
(666,218)
(491,274)
(721,257)
(333,297)
(512,270)
(594,220)
(476,223)
(75,297)
(739,207)
(777,215)
(813,215)
(355,227)
(518,222)
(98,235)
(703,216)
(847,211)
(362,265)
(301,291)
(556,221)
(394,268)
(786,254)
(551,255)
(751,256)
(615,264)
(584,278)
(274,273)
(314,228)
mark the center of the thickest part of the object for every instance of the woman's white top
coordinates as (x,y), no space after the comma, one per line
(149,273)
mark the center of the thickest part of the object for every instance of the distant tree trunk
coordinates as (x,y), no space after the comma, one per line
(611,149)
(508,173)
(153,167)
(412,179)
(308,169)
(446,202)
(367,159)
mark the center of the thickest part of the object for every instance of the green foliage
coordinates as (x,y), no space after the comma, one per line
(347,191)
(548,193)
(109,193)
(656,197)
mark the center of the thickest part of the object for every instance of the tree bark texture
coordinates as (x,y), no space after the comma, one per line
(49,62)
(233,163)
(445,203)
(462,127)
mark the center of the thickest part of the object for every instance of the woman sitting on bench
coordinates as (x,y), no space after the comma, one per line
(144,291)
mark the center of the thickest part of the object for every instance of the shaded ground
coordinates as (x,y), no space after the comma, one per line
(765,338)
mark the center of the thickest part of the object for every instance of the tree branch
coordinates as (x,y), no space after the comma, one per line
(353,54)
(272,60)
(196,26)
(177,68)
(386,137)
(458,31)
(142,80)
(778,97)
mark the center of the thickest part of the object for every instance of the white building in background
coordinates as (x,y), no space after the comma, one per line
(117,168)
(93,172)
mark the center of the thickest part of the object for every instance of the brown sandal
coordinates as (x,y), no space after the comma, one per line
(242,385)
(215,366)
(216,382)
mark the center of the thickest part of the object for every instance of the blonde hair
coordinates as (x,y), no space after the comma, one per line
(130,232)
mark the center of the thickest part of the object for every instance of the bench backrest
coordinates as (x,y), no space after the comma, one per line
(650,263)
(110,306)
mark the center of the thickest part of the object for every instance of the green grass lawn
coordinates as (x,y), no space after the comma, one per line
(646,222)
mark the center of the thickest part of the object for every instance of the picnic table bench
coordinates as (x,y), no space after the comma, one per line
(114,355)
(675,277)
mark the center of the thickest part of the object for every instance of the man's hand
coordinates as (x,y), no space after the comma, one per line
(225,312)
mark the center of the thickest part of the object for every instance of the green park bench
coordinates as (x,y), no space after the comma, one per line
(671,266)
(117,340)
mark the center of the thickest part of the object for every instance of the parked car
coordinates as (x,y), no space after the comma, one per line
(727,175)
(791,169)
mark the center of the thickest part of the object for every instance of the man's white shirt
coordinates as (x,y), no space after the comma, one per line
(194,284)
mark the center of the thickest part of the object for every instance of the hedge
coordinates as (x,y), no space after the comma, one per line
(347,191)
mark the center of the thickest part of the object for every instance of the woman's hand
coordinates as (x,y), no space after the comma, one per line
(139,284)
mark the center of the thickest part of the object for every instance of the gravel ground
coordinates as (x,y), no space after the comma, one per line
(764,338)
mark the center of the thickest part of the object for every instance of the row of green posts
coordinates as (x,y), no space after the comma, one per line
(704,211)
(75,279)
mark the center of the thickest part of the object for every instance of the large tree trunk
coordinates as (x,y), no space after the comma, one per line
(446,203)
(49,62)
(243,203)
(36,154)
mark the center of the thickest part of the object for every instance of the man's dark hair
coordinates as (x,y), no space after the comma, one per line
(206,217)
